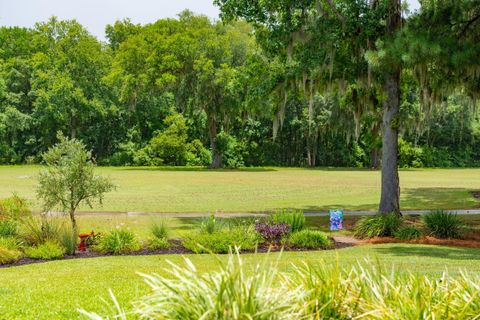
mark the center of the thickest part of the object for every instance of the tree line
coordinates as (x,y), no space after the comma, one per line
(288,83)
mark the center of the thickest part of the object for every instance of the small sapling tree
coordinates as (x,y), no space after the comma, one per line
(69,179)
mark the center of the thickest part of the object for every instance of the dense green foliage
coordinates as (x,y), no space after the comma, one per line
(408,233)
(45,251)
(383,225)
(294,218)
(189,91)
(309,239)
(9,255)
(443,224)
(223,240)
(118,241)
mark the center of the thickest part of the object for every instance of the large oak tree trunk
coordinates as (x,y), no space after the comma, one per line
(390,194)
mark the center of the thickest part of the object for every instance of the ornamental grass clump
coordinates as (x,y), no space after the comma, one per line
(118,241)
(320,291)
(294,218)
(211,224)
(408,233)
(363,292)
(381,225)
(8,228)
(272,232)
(443,224)
(233,292)
(8,256)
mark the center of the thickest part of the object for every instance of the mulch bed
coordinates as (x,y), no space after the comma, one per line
(429,240)
(176,248)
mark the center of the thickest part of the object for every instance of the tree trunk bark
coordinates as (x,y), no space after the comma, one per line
(212,134)
(390,194)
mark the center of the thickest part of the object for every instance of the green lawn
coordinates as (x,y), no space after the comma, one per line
(54,290)
(253,190)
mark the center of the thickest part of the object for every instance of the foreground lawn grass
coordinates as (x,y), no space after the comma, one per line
(54,290)
(258,189)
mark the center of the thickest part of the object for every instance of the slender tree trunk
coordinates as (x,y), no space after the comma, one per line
(73,220)
(212,134)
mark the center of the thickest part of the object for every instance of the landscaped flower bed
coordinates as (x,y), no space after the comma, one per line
(30,239)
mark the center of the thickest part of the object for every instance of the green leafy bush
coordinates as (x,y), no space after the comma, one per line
(381,225)
(160,229)
(118,241)
(158,244)
(8,228)
(408,233)
(294,218)
(443,224)
(9,255)
(222,241)
(47,251)
(309,239)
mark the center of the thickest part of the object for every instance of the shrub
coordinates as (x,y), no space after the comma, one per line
(47,251)
(37,230)
(272,232)
(234,292)
(294,218)
(210,224)
(408,233)
(381,225)
(118,241)
(8,228)
(158,243)
(222,241)
(309,239)
(14,208)
(10,243)
(9,255)
(159,229)
(443,224)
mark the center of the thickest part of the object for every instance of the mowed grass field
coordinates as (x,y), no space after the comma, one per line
(261,189)
(55,290)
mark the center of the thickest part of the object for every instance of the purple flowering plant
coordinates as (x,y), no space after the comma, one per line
(272,232)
